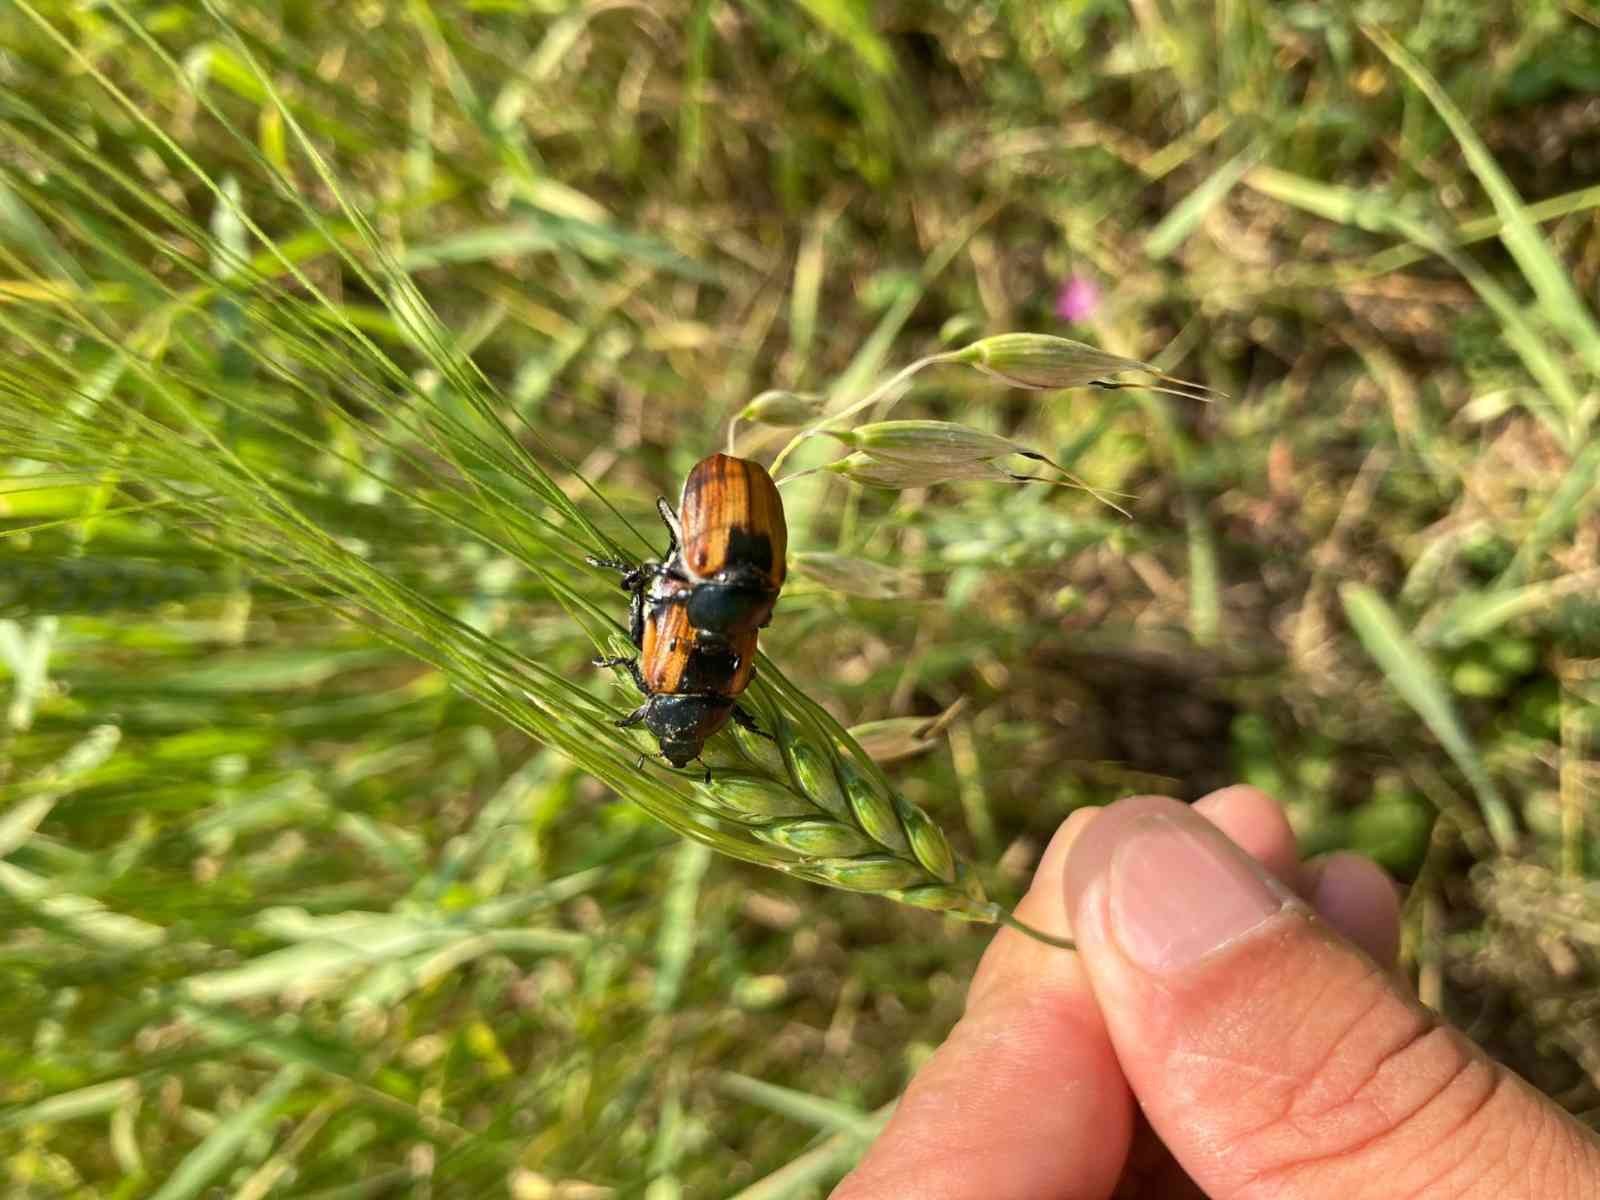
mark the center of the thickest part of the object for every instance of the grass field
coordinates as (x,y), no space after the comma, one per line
(333,336)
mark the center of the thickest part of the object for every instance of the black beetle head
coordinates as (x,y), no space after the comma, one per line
(683,723)
(681,754)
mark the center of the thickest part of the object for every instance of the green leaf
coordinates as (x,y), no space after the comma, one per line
(851,22)
(1410,673)
(1558,298)
(213,1156)
(1174,228)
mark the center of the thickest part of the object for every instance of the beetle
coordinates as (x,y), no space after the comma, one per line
(691,681)
(695,614)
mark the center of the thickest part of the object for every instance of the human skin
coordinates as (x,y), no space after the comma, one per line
(1229,1027)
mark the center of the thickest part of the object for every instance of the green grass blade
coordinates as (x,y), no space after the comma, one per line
(801,1177)
(1561,412)
(851,22)
(1472,617)
(1410,673)
(828,1116)
(1558,298)
(93,1101)
(22,230)
(1205,576)
(1174,228)
(1574,496)
(676,940)
(213,1156)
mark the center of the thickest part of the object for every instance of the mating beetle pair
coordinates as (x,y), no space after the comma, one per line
(695,616)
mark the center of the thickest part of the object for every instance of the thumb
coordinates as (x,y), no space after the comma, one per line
(1274,1058)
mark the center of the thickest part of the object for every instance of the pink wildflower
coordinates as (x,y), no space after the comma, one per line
(1078,298)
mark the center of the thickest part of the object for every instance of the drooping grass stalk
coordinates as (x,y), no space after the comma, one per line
(907,454)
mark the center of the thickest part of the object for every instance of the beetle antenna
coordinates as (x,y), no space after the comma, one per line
(669,518)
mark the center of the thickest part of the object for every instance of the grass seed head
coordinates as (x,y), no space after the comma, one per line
(868,873)
(928,842)
(962,898)
(865,469)
(765,750)
(817,778)
(933,443)
(817,839)
(1044,363)
(753,797)
(851,576)
(808,802)
(783,408)
(874,812)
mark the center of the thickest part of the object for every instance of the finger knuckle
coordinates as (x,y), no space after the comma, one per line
(1392,1112)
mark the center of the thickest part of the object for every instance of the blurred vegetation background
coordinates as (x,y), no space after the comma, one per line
(285,912)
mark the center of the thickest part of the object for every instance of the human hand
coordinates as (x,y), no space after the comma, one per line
(1270,1052)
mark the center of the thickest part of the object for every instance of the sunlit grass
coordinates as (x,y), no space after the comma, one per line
(331,341)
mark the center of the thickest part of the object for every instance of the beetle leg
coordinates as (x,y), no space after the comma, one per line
(633,669)
(634,575)
(620,565)
(634,718)
(745,721)
(637,577)
(636,618)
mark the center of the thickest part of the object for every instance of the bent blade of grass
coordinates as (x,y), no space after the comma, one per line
(1471,617)
(1573,496)
(1558,299)
(1174,228)
(222,1145)
(1345,206)
(675,941)
(93,1101)
(1411,674)
(1479,229)
(82,917)
(1205,576)
(826,1116)
(869,359)
(800,1177)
